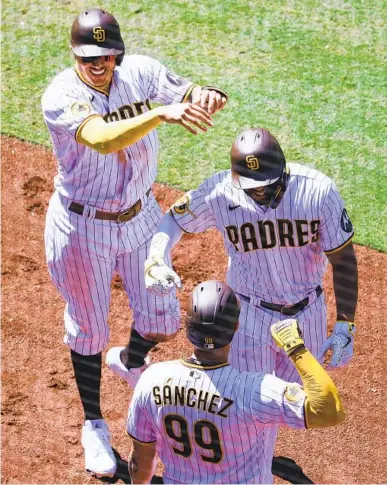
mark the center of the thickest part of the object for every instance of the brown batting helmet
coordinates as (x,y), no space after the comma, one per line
(212,315)
(257,159)
(96,32)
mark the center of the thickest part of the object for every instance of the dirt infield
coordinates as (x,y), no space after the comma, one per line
(41,411)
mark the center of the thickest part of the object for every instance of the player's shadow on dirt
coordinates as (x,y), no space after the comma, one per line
(287,469)
(122,473)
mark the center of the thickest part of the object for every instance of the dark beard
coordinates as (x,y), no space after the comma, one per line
(269,193)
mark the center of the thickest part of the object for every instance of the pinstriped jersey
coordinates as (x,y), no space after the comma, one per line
(115,181)
(277,255)
(211,422)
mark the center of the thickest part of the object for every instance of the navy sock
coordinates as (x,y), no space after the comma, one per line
(87,370)
(134,353)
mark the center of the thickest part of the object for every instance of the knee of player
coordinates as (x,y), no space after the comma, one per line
(159,337)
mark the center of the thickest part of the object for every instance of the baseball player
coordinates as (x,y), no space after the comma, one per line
(281,224)
(208,421)
(103,213)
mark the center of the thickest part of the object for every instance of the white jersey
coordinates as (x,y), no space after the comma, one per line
(115,181)
(83,252)
(210,422)
(276,255)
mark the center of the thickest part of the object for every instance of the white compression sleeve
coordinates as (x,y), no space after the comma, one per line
(167,236)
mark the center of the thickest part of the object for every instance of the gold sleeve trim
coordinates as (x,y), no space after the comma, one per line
(331,251)
(204,367)
(186,96)
(79,129)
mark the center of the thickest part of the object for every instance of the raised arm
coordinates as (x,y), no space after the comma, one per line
(106,138)
(323,406)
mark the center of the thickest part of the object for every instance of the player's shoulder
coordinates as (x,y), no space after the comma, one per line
(137,62)
(66,83)
(218,181)
(160,369)
(62,80)
(299,171)
(244,380)
(157,374)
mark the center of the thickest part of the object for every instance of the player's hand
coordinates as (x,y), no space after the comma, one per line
(341,342)
(287,335)
(191,116)
(212,100)
(159,278)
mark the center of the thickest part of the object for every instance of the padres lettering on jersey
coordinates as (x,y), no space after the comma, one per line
(263,235)
(278,254)
(128,111)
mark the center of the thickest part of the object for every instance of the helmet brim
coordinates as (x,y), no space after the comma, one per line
(89,50)
(240,182)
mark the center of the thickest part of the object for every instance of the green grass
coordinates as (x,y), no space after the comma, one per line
(312,72)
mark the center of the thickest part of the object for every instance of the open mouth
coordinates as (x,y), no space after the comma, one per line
(97,72)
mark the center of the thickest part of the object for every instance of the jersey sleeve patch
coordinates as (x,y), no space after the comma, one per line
(80,109)
(336,227)
(346,224)
(175,79)
(181,206)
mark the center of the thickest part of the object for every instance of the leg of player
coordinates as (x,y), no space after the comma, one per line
(87,370)
(83,276)
(155,319)
(99,457)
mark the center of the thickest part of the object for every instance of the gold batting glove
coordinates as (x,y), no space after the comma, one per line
(287,335)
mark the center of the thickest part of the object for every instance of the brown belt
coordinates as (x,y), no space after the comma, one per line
(119,217)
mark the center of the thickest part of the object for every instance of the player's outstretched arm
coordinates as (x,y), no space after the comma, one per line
(323,406)
(345,284)
(160,279)
(111,137)
(142,462)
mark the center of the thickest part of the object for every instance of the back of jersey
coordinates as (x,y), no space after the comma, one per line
(210,422)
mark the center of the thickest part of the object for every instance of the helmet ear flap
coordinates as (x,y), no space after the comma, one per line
(120,58)
(282,185)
